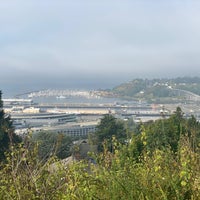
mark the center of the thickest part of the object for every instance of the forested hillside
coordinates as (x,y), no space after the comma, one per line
(159,89)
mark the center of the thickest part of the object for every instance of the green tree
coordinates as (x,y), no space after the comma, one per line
(193,132)
(7,135)
(167,132)
(108,128)
(52,144)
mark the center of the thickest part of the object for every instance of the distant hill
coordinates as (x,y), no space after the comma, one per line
(160,90)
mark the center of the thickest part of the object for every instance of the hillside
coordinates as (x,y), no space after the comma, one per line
(160,90)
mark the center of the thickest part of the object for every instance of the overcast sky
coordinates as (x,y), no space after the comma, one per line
(96,43)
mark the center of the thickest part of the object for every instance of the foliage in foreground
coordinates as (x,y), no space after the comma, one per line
(161,174)
(162,162)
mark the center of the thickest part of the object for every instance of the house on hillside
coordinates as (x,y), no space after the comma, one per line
(81,148)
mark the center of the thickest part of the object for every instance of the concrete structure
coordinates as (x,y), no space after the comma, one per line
(73,129)
(17,101)
(27,120)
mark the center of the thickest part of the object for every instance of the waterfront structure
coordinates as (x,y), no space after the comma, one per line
(17,101)
(28,120)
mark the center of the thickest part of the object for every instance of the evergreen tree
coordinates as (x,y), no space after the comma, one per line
(110,127)
(7,135)
(167,132)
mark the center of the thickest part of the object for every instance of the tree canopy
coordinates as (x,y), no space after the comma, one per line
(168,132)
(110,127)
(7,135)
(52,144)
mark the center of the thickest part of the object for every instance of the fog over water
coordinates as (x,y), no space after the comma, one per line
(95,44)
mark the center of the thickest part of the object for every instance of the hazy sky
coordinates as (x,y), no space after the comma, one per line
(96,43)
